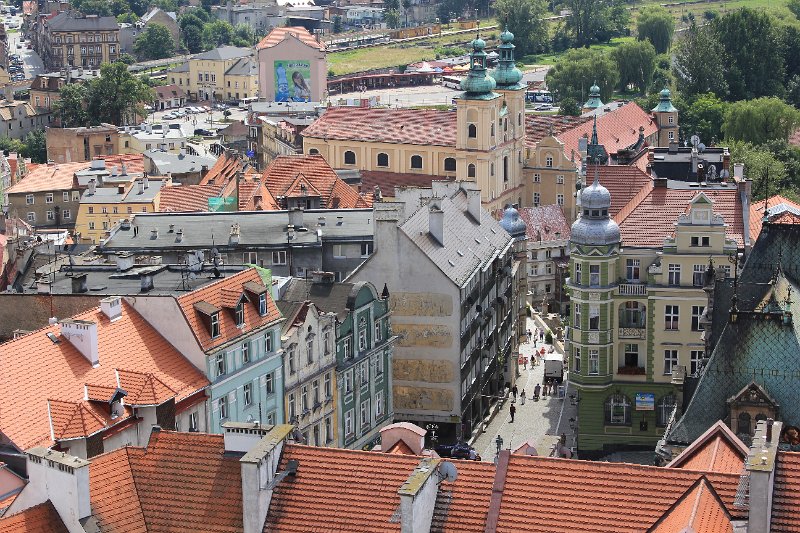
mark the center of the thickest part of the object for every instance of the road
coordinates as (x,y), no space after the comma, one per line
(33,63)
(422,95)
(533,420)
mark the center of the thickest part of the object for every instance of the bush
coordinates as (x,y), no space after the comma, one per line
(710,14)
(548,337)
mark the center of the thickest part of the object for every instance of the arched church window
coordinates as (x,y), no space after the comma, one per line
(349,158)
(383,160)
(472,131)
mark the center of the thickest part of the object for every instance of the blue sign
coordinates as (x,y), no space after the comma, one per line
(251,153)
(645,401)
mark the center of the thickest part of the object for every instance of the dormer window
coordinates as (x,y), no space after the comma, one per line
(214,325)
(262,304)
(240,314)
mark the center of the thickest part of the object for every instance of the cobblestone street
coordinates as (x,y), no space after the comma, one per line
(533,420)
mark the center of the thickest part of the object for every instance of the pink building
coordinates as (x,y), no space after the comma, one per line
(291,66)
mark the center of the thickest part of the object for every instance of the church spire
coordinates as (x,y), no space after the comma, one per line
(507,75)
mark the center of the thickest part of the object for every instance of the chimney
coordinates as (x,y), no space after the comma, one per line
(473,201)
(259,468)
(326,278)
(659,182)
(436,220)
(8,92)
(92,186)
(140,185)
(112,307)
(125,261)
(82,334)
(43,286)
(760,464)
(120,189)
(673,147)
(203,171)
(296,217)
(418,497)
(79,284)
(145,181)
(145,282)
(179,235)
(241,437)
(61,478)
(154,234)
(738,171)
(235,234)
(583,144)
(694,160)
(726,160)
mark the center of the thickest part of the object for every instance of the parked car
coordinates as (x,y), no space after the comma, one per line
(204,132)
(169,116)
(458,450)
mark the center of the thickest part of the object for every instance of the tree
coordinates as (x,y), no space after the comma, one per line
(699,64)
(760,120)
(525,19)
(569,106)
(636,62)
(155,42)
(754,50)
(578,70)
(337,24)
(190,19)
(193,39)
(35,146)
(392,17)
(217,33)
(702,116)
(243,35)
(794,7)
(116,95)
(406,9)
(165,5)
(70,108)
(592,21)
(791,40)
(656,25)
(760,165)
(127,18)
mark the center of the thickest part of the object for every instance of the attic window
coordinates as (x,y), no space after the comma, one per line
(240,313)
(262,304)
(215,325)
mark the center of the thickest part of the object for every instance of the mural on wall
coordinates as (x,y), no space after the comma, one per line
(420,304)
(425,335)
(292,81)
(422,370)
(419,398)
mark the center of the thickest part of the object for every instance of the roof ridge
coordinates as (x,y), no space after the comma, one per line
(634,202)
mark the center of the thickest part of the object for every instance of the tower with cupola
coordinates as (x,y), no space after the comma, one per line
(666,116)
(594,102)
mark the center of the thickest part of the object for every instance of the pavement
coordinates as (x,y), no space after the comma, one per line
(533,420)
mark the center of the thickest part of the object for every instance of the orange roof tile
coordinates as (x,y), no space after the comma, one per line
(223,171)
(100,393)
(42,518)
(254,196)
(360,491)
(396,126)
(700,509)
(71,420)
(537,127)
(181,482)
(650,216)
(786,494)
(400,448)
(187,198)
(622,181)
(144,388)
(389,181)
(60,176)
(38,370)
(758,207)
(629,503)
(280,33)
(616,129)
(300,175)
(214,294)
(716,450)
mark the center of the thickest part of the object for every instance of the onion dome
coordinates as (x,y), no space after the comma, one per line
(595,227)
(513,224)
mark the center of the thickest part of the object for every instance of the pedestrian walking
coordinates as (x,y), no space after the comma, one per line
(537,390)
(513,411)
(541,336)
(522,397)
(499,442)
(514,392)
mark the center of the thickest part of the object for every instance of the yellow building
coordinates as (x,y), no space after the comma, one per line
(224,74)
(102,207)
(68,39)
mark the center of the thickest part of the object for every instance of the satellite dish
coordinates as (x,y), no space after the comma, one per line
(530,450)
(701,147)
(447,471)
(695,140)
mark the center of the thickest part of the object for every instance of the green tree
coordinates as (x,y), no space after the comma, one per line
(70,108)
(791,58)
(243,35)
(569,106)
(217,33)
(190,19)
(406,9)
(127,18)
(760,120)
(392,17)
(760,165)
(702,116)
(587,20)
(525,19)
(636,62)
(578,70)
(656,25)
(193,39)
(127,59)
(754,50)
(337,24)
(116,95)
(794,7)
(155,42)
(35,146)
(699,64)
(165,5)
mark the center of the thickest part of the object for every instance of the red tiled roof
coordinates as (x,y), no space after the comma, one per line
(187,198)
(280,33)
(622,181)
(224,170)
(169,91)
(42,518)
(389,181)
(254,196)
(181,482)
(699,509)
(215,294)
(60,176)
(608,497)
(651,215)
(396,126)
(786,494)
(287,175)
(38,370)
(716,450)
(757,209)
(144,388)
(616,129)
(71,420)
(99,393)
(360,493)
(537,127)
(544,222)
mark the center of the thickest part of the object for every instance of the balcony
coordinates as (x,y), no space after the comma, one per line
(631,371)
(632,289)
(631,333)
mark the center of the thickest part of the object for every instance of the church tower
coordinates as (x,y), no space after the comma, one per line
(594,101)
(594,252)
(666,116)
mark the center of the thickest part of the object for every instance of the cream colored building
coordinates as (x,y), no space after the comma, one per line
(281,48)
(170,138)
(226,73)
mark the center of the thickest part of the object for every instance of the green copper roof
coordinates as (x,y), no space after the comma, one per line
(507,75)
(477,82)
(594,98)
(665,103)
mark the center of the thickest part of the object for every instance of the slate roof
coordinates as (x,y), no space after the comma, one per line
(650,216)
(223,53)
(42,518)
(66,21)
(543,222)
(776,205)
(278,34)
(59,372)
(328,297)
(286,176)
(246,66)
(786,493)
(468,244)
(395,126)
(225,294)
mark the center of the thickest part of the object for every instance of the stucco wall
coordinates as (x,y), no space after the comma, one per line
(291,48)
